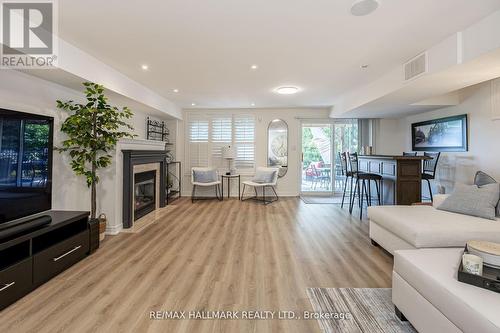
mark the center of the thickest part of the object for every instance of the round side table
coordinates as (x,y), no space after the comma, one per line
(228,180)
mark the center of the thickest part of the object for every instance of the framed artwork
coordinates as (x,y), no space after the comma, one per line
(444,134)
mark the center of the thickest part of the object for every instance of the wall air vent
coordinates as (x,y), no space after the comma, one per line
(415,67)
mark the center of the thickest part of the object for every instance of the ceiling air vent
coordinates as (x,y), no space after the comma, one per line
(416,66)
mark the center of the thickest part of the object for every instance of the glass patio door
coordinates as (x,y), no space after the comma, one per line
(317,166)
(322,144)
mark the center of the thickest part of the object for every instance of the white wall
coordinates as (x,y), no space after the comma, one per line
(26,93)
(484,136)
(394,136)
(389,134)
(288,185)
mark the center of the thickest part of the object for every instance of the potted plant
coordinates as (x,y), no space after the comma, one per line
(93,129)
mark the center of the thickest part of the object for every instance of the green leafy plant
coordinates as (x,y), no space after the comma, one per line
(93,129)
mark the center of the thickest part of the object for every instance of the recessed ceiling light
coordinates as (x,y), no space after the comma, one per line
(193,104)
(254,67)
(175,90)
(145,67)
(288,90)
(363,7)
(253,104)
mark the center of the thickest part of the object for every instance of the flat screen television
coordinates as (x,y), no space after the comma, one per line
(25,166)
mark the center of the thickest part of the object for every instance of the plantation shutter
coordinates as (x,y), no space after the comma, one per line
(198,141)
(221,137)
(244,141)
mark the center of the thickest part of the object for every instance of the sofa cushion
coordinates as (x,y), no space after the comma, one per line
(433,274)
(473,200)
(425,226)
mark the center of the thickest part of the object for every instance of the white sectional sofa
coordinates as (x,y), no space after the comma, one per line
(427,245)
(426,290)
(413,227)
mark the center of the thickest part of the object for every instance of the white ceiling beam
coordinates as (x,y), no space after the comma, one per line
(463,59)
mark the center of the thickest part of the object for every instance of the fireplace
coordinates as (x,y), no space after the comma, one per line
(143,179)
(144,193)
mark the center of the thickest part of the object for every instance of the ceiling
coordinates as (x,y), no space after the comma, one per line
(75,82)
(205,48)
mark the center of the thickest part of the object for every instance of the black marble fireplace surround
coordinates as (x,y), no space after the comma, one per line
(135,157)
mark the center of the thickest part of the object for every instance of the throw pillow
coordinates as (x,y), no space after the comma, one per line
(473,200)
(482,179)
(264,176)
(205,176)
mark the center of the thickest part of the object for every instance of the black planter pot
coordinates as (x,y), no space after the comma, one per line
(93,235)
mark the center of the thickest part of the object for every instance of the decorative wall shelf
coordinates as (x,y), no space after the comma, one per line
(156,130)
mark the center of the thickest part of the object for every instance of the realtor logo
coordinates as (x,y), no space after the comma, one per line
(28,30)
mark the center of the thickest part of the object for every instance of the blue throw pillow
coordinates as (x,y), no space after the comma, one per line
(208,176)
(264,176)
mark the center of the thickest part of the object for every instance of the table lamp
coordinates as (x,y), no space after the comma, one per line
(229,153)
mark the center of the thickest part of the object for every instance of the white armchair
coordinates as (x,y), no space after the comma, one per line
(205,177)
(262,185)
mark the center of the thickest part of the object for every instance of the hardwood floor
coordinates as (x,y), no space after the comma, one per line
(208,256)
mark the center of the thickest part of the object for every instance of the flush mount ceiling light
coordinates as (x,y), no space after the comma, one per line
(175,90)
(253,104)
(254,67)
(145,67)
(193,104)
(364,7)
(288,90)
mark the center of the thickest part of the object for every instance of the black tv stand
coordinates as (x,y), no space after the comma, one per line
(29,259)
(24,226)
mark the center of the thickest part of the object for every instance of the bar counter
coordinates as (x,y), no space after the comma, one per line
(402,176)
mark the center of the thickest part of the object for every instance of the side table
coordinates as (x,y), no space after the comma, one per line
(228,180)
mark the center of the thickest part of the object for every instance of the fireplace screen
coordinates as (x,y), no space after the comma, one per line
(144,193)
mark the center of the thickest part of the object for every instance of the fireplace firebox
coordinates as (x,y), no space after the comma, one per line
(144,193)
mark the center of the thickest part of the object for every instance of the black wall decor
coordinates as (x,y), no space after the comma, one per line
(443,134)
(156,130)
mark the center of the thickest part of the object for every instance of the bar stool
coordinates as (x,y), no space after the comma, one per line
(430,166)
(362,189)
(347,174)
(411,153)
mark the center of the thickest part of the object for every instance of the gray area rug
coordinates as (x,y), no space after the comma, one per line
(371,310)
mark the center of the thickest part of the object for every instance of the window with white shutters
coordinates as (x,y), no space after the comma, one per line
(221,137)
(198,142)
(208,133)
(244,141)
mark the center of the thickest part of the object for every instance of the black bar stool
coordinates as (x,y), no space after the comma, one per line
(347,174)
(409,153)
(429,172)
(362,188)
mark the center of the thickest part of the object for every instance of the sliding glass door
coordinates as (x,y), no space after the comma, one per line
(346,139)
(322,143)
(317,158)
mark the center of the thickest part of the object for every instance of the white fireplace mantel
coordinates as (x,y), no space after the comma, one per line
(111,185)
(142,142)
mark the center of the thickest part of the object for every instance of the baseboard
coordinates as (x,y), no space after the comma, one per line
(113,230)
